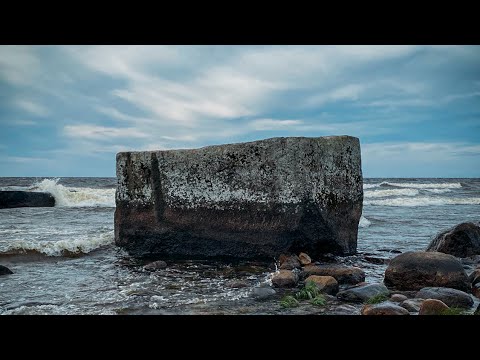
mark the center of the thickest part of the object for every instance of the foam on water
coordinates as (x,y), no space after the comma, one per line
(364,222)
(393,192)
(423,201)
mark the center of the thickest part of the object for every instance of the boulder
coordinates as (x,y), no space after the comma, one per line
(14,199)
(285,278)
(474,277)
(415,270)
(262,293)
(412,305)
(5,271)
(343,274)
(304,259)
(398,298)
(462,240)
(289,262)
(384,308)
(477,312)
(363,293)
(433,307)
(476,290)
(156,265)
(451,297)
(252,200)
(325,284)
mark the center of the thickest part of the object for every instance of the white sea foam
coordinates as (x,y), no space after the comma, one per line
(76,196)
(415,185)
(59,248)
(423,201)
(370,186)
(438,191)
(364,222)
(392,192)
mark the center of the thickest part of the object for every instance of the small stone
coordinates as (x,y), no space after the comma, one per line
(412,305)
(325,284)
(398,298)
(5,271)
(432,307)
(262,293)
(363,292)
(384,308)
(236,284)
(289,262)
(451,297)
(304,259)
(285,278)
(156,265)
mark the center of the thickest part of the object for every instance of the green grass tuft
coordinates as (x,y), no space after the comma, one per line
(377,299)
(289,301)
(309,291)
(319,300)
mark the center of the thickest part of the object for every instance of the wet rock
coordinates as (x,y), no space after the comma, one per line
(14,199)
(451,297)
(476,290)
(474,277)
(415,270)
(325,284)
(285,278)
(343,274)
(432,307)
(252,200)
(392,251)
(289,262)
(477,312)
(384,308)
(5,271)
(376,260)
(304,259)
(262,293)
(345,309)
(156,265)
(398,298)
(236,284)
(362,293)
(462,240)
(412,305)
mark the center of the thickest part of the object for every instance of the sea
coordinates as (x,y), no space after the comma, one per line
(65,262)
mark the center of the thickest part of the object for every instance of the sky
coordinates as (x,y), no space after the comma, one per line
(67,110)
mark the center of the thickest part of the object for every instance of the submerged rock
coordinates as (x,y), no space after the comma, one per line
(415,270)
(285,278)
(433,307)
(325,284)
(156,265)
(384,308)
(412,305)
(304,259)
(343,274)
(14,199)
(249,200)
(451,297)
(462,240)
(236,284)
(363,293)
(5,271)
(263,293)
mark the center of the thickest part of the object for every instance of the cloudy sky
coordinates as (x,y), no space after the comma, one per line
(67,110)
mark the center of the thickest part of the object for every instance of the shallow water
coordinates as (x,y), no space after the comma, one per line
(64,260)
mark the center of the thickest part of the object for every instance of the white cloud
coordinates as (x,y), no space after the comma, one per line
(101,132)
(272,124)
(32,107)
(18,64)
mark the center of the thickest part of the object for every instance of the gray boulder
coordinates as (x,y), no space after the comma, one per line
(451,297)
(384,308)
(363,293)
(14,199)
(5,271)
(462,240)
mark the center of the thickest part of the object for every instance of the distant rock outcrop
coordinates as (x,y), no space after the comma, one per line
(14,199)
(462,240)
(249,200)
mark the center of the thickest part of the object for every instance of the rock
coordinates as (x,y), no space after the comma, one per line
(376,260)
(325,284)
(236,284)
(304,259)
(477,312)
(384,308)
(156,265)
(363,293)
(433,307)
(252,200)
(476,290)
(289,262)
(285,278)
(412,305)
(262,293)
(343,274)
(14,199)
(462,240)
(398,298)
(5,271)
(415,270)
(474,277)
(451,297)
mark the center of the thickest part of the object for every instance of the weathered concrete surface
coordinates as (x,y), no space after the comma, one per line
(248,200)
(14,199)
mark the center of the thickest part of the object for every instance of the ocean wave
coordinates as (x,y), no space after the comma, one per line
(364,222)
(370,186)
(76,196)
(68,248)
(423,185)
(392,192)
(423,201)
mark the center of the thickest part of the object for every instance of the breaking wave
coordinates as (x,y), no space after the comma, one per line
(393,192)
(423,201)
(414,185)
(364,222)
